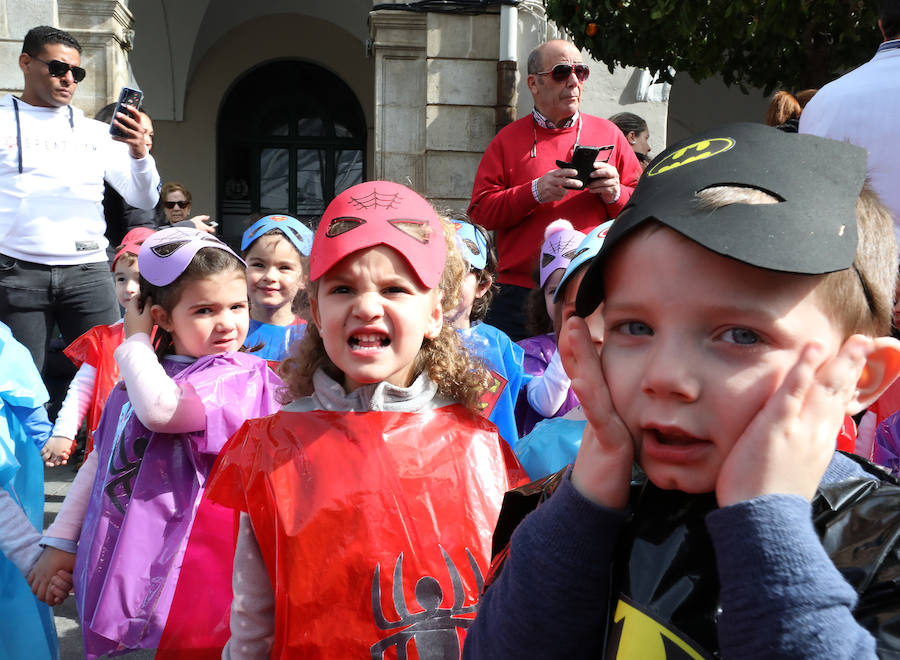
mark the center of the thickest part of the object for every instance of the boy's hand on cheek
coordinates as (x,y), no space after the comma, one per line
(602,471)
(788,445)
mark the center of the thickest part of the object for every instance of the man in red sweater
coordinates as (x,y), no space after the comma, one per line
(519,188)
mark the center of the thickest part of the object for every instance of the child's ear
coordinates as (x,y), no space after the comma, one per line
(160,317)
(436,318)
(484,286)
(881,369)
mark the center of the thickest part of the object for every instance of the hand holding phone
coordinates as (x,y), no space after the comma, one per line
(129,97)
(583,160)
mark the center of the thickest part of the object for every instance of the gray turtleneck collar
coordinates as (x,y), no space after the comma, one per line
(330,395)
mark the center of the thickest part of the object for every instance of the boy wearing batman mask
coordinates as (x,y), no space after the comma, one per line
(747,289)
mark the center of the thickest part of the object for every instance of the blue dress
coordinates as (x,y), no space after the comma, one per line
(27,630)
(277,339)
(506,360)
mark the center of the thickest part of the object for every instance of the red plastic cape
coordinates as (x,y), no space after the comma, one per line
(96,347)
(846,439)
(375,527)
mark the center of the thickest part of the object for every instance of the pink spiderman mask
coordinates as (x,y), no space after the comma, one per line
(381,213)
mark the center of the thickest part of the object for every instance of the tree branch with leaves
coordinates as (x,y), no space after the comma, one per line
(792,44)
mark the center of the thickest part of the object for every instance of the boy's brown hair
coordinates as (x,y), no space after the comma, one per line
(858,299)
(127,258)
(458,375)
(786,202)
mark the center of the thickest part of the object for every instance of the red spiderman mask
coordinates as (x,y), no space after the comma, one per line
(381,213)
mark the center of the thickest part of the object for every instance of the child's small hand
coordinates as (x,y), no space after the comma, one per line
(49,565)
(137,317)
(788,445)
(602,471)
(56,451)
(60,587)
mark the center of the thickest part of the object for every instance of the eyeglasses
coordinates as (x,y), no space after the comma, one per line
(58,69)
(561,72)
(182,204)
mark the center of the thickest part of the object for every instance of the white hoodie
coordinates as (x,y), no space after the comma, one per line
(52,213)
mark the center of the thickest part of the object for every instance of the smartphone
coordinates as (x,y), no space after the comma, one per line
(127,96)
(583,160)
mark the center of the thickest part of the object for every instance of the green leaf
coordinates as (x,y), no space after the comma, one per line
(789,43)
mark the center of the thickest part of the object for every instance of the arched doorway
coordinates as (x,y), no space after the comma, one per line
(291,136)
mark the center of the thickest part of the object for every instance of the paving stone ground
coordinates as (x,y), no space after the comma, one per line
(56,484)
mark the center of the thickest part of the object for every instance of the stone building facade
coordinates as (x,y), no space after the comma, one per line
(281,104)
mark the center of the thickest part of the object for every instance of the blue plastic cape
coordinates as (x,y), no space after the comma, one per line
(506,360)
(26,625)
(276,339)
(551,446)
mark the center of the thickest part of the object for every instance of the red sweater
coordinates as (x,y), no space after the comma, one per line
(502,198)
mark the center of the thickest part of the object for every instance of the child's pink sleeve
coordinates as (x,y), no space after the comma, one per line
(18,539)
(77,401)
(253,608)
(159,402)
(67,524)
(547,393)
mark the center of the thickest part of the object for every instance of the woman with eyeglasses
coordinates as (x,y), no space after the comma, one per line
(176,200)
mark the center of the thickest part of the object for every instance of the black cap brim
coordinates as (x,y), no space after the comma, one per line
(812,230)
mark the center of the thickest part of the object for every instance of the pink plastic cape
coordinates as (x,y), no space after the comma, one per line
(143,501)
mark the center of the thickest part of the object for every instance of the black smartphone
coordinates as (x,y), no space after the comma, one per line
(583,160)
(127,96)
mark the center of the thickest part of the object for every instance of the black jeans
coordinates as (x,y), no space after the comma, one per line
(34,297)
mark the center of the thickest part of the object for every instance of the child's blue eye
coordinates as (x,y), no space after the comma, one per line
(635,328)
(741,336)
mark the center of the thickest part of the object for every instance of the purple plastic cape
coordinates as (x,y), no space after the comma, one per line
(886,451)
(145,496)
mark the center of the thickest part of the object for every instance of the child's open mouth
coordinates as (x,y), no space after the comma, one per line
(369,342)
(668,439)
(672,445)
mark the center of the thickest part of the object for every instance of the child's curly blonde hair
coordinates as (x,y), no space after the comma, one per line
(458,375)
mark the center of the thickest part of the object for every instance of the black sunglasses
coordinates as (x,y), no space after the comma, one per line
(180,204)
(561,72)
(59,69)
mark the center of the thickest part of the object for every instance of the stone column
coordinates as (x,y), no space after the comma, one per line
(398,40)
(461,98)
(16,18)
(105,29)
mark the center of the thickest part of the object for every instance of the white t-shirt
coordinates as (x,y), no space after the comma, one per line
(51,213)
(861,107)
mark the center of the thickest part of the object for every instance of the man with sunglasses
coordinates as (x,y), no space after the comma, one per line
(53,163)
(519,187)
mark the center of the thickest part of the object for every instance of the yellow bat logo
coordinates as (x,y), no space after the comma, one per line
(637,635)
(691,153)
